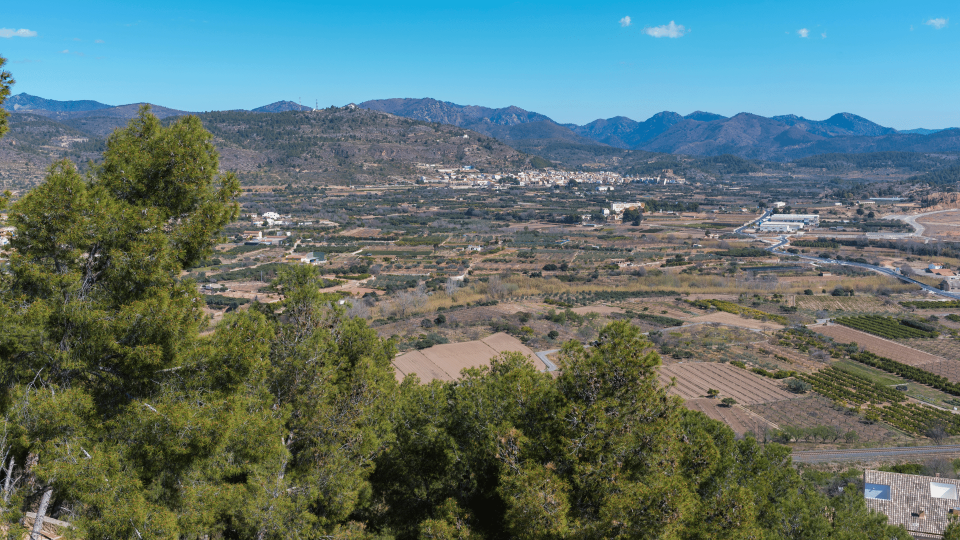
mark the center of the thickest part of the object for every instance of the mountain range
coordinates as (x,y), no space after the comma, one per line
(779,138)
(700,133)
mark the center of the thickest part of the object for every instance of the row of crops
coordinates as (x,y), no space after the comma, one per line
(885,403)
(846,387)
(889,327)
(737,309)
(918,419)
(907,372)
(932,304)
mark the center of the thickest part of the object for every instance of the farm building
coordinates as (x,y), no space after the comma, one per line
(924,505)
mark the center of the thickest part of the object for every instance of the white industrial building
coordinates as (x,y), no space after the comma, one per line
(806,219)
(780,226)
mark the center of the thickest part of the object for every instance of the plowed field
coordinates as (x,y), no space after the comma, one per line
(878,345)
(813,410)
(739,419)
(693,380)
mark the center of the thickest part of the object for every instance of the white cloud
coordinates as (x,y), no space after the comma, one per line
(10,32)
(823,35)
(937,23)
(803,32)
(625,22)
(672,30)
(65,51)
(98,41)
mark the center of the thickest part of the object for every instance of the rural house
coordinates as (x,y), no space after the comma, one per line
(924,505)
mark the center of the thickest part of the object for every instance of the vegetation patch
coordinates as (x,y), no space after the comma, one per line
(730,307)
(889,327)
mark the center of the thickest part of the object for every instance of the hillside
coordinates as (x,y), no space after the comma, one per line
(42,106)
(507,123)
(335,145)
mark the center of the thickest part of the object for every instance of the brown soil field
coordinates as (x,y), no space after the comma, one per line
(739,419)
(865,304)
(445,362)
(944,346)
(361,232)
(602,310)
(249,290)
(813,410)
(693,380)
(878,345)
(723,317)
(944,226)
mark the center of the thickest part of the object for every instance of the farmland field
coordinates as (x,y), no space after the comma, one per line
(814,410)
(694,379)
(738,418)
(878,345)
(857,304)
(945,346)
(889,327)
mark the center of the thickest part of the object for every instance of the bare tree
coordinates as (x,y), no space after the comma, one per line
(496,288)
(358,308)
(451,286)
(937,433)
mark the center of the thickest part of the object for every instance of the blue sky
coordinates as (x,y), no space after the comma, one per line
(894,62)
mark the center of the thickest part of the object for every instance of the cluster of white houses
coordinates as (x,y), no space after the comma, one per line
(466,177)
(788,223)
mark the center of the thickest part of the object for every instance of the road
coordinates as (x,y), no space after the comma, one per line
(740,229)
(911,220)
(785,240)
(870,454)
(542,355)
(879,269)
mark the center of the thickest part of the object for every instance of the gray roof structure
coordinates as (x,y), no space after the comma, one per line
(922,504)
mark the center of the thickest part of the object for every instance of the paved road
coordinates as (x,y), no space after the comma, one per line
(784,240)
(542,355)
(869,454)
(911,219)
(739,230)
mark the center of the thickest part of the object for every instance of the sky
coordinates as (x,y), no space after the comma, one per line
(894,62)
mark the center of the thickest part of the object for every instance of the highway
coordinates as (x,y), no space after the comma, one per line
(785,240)
(870,454)
(879,269)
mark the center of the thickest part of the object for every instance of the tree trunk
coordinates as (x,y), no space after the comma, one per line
(8,482)
(41,513)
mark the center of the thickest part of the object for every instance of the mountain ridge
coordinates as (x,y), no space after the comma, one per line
(781,138)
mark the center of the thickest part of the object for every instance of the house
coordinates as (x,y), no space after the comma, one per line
(934,266)
(924,505)
(779,204)
(250,235)
(950,284)
(474,248)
